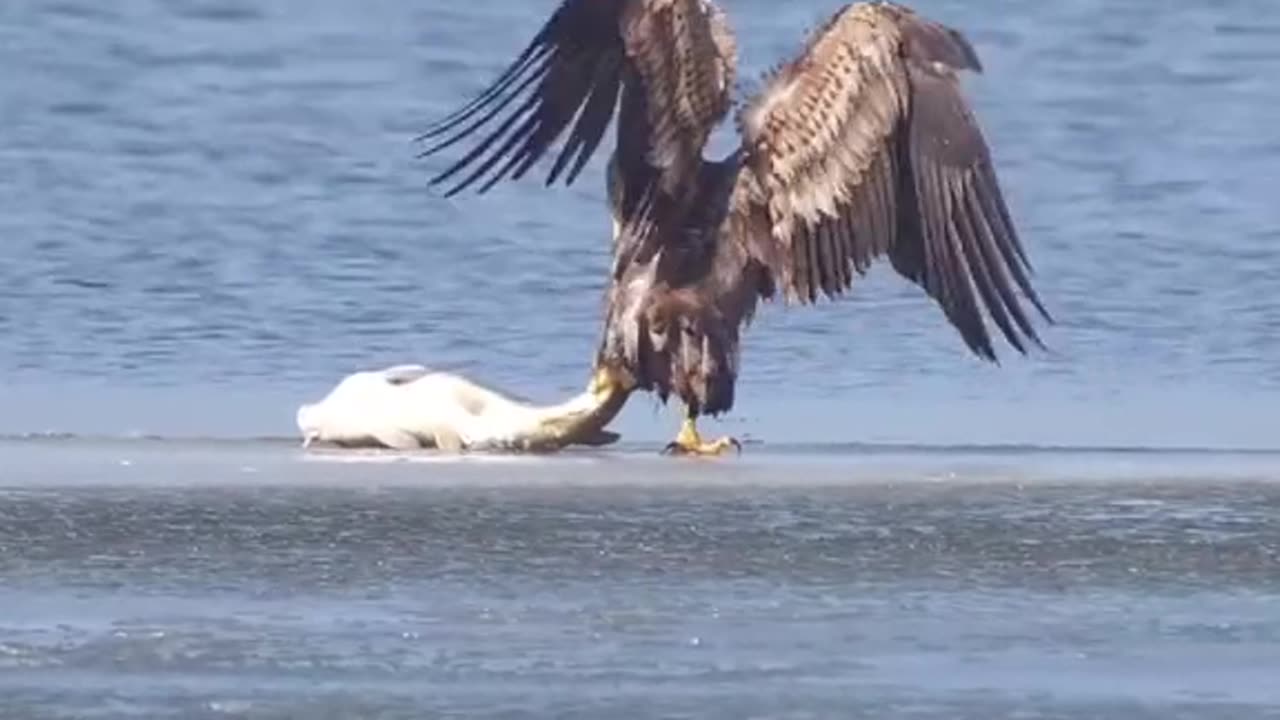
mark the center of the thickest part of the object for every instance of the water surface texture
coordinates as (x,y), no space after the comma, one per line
(217,205)
(181,580)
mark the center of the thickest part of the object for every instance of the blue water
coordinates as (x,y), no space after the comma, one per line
(190,579)
(211,211)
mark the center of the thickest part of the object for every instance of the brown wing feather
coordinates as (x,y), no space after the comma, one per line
(577,65)
(682,58)
(863,147)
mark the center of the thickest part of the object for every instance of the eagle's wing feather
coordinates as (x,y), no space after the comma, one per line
(684,57)
(864,147)
(575,60)
(674,56)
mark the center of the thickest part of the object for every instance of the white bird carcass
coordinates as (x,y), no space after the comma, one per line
(408,407)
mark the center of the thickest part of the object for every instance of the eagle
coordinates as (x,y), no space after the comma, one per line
(860,148)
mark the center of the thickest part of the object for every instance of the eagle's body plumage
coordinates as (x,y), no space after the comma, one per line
(861,147)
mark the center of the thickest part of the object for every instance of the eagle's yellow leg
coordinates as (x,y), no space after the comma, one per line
(689,442)
(611,387)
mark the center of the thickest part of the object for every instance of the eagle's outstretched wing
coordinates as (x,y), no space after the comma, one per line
(863,146)
(672,61)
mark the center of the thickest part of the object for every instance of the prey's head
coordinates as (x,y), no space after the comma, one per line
(311,423)
(364,409)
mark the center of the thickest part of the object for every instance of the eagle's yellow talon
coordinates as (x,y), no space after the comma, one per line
(689,442)
(606,382)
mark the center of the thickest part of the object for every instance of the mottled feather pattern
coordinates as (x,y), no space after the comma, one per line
(863,147)
(677,53)
(674,342)
(820,122)
(673,323)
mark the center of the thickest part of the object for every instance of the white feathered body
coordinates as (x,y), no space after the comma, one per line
(409,407)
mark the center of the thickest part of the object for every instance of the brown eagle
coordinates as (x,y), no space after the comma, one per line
(862,147)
